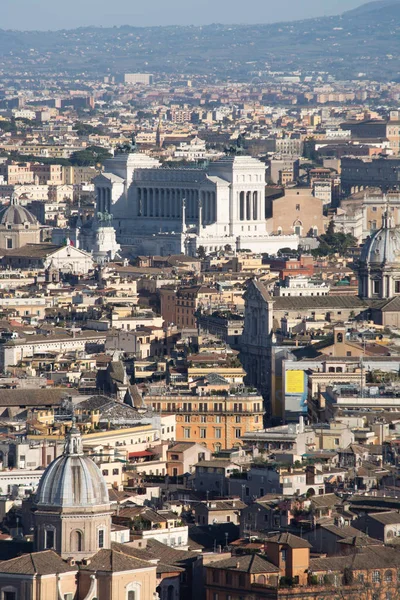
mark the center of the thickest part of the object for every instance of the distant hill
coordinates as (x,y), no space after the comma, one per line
(374,7)
(362,42)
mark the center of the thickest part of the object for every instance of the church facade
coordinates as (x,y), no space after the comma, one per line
(161,210)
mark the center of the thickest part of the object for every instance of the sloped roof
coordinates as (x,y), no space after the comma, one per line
(115,562)
(32,397)
(325,500)
(40,563)
(170,556)
(378,557)
(293,541)
(249,563)
(386,518)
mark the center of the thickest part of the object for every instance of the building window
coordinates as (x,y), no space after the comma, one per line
(115,471)
(215,576)
(238,433)
(9,243)
(203,434)
(297,206)
(76,541)
(187,418)
(101,538)
(388,576)
(203,419)
(218,434)
(376,576)
(376,286)
(186,433)
(105,472)
(397,287)
(242,580)
(49,539)
(9,595)
(218,419)
(238,419)
(283,555)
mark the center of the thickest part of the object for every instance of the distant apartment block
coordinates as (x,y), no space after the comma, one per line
(143,78)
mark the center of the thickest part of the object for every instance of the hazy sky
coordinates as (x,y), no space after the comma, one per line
(59,14)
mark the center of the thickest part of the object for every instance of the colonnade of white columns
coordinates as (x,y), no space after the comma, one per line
(250,206)
(167,203)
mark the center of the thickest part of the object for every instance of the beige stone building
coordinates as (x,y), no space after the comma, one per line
(299,212)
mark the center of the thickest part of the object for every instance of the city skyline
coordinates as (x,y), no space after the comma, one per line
(45,15)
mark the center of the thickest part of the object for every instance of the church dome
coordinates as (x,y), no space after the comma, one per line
(72,480)
(17,215)
(383,246)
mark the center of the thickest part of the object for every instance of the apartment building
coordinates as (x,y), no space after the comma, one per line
(215,421)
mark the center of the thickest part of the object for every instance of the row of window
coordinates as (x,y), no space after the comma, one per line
(203,433)
(217,419)
(76,539)
(205,407)
(114,472)
(228,578)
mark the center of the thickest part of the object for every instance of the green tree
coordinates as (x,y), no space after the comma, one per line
(334,243)
(86,129)
(201,253)
(89,157)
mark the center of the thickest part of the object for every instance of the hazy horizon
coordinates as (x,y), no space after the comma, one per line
(44,15)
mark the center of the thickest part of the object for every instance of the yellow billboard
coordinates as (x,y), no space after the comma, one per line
(294,382)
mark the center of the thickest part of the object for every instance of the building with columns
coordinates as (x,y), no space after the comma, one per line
(161,210)
(379,266)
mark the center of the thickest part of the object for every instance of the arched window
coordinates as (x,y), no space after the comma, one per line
(388,576)
(8,593)
(132,591)
(76,541)
(339,338)
(261,579)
